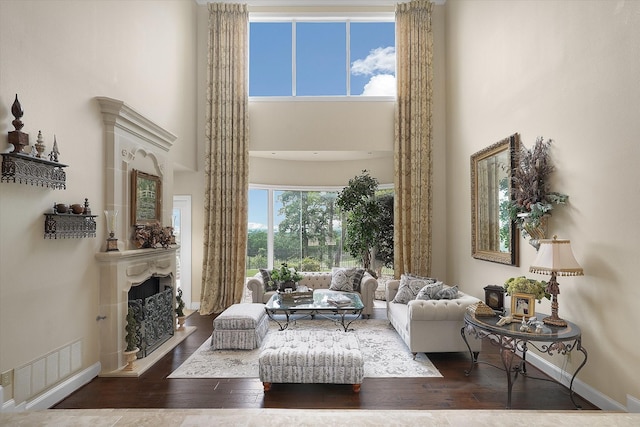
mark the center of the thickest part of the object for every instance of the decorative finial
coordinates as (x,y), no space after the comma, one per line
(39,144)
(17,138)
(53,156)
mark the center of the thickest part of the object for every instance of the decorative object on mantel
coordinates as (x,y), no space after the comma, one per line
(152,235)
(533,199)
(63,222)
(112,220)
(555,257)
(53,156)
(17,138)
(33,168)
(180,310)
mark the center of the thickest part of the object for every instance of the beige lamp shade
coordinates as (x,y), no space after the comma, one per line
(556,256)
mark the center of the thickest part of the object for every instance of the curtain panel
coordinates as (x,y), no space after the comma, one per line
(226,159)
(412,144)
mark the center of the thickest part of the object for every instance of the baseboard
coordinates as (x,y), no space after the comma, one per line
(602,401)
(55,394)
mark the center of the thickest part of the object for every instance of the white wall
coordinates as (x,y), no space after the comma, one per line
(568,71)
(58,56)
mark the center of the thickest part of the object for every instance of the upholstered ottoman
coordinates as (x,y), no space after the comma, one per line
(240,327)
(311,357)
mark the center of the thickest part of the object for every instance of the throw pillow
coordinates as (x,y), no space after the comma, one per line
(409,288)
(346,279)
(430,291)
(266,278)
(447,293)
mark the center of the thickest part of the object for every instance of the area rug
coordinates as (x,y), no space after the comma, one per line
(385,354)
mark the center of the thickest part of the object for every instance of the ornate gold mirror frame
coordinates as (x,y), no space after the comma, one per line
(493,234)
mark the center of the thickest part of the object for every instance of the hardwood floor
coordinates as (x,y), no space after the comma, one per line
(486,388)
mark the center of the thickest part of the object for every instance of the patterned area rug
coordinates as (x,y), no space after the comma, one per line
(385,354)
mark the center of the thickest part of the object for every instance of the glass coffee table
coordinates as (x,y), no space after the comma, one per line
(323,302)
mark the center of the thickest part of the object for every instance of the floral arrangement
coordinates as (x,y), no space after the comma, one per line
(532,196)
(150,236)
(179,303)
(527,286)
(285,274)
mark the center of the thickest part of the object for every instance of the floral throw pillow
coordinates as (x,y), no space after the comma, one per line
(346,279)
(410,286)
(430,291)
(266,279)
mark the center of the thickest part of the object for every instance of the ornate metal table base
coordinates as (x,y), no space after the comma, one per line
(510,340)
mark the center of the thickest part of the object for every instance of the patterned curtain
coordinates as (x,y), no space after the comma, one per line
(226,159)
(412,145)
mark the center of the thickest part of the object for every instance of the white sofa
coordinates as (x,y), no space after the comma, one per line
(431,326)
(316,280)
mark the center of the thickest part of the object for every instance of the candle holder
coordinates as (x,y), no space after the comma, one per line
(112,242)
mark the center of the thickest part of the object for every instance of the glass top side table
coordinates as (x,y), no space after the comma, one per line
(510,340)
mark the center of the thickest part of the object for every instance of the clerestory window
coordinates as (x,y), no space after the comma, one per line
(322,58)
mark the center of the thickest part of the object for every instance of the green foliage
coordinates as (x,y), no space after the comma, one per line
(531,188)
(310,264)
(358,202)
(179,303)
(524,285)
(132,337)
(384,239)
(286,274)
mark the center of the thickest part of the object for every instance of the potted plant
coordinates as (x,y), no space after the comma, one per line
(286,276)
(523,285)
(180,309)
(533,200)
(358,202)
(130,353)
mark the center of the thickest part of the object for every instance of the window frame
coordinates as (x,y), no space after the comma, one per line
(348,18)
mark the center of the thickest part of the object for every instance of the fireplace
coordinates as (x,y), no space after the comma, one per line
(122,273)
(152,305)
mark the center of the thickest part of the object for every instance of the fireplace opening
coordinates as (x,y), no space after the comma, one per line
(152,304)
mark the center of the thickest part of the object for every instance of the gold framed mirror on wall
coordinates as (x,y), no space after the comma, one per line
(493,234)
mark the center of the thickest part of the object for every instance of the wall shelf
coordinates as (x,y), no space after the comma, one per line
(26,169)
(63,226)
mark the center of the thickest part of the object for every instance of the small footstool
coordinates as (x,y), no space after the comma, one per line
(240,327)
(311,357)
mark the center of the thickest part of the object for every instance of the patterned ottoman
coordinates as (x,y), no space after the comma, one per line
(240,327)
(311,357)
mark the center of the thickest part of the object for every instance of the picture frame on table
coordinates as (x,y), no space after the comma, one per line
(146,198)
(523,305)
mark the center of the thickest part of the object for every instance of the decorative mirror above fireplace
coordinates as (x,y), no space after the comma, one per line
(493,234)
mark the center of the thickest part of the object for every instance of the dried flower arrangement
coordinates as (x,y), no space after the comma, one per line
(532,195)
(150,236)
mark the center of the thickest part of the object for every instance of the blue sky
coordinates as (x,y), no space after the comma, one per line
(321,58)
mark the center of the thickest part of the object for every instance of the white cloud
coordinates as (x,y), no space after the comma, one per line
(379,60)
(380,85)
(256,226)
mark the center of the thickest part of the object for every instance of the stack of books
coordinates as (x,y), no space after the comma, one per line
(339,301)
(297,297)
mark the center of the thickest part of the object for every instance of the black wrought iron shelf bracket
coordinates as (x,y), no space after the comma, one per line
(69,226)
(26,169)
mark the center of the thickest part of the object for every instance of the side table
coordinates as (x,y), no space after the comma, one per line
(509,339)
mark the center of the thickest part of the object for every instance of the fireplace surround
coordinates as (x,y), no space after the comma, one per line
(132,142)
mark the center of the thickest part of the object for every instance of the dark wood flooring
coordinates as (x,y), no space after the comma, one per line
(485,388)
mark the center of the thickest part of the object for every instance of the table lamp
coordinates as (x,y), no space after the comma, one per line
(555,257)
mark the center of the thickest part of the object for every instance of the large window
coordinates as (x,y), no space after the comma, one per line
(328,58)
(303,229)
